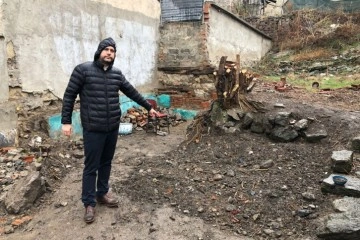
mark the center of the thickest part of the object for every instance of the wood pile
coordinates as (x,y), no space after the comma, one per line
(232,84)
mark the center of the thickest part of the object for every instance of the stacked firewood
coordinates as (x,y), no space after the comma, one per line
(232,84)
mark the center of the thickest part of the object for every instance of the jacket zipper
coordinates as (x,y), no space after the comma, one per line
(107,101)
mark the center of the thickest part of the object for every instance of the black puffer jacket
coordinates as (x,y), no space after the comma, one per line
(99,94)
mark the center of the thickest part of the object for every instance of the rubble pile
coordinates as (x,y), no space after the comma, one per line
(139,117)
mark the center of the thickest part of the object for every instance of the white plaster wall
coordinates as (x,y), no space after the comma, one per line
(228,37)
(1,17)
(4,78)
(52,37)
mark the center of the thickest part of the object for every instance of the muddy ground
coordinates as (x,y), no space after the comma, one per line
(170,188)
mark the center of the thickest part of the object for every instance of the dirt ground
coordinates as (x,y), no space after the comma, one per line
(172,190)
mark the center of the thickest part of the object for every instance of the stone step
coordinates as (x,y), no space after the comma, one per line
(351,187)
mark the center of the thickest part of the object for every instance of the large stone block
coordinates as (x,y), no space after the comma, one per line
(344,224)
(351,188)
(24,193)
(342,161)
(355,144)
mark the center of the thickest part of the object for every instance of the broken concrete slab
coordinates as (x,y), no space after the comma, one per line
(315,133)
(347,204)
(344,225)
(351,187)
(24,193)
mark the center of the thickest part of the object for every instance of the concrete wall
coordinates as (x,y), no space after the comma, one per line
(49,38)
(229,36)
(4,83)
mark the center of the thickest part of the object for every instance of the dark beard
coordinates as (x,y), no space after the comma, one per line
(106,63)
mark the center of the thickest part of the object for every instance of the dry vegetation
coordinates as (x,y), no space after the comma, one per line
(319,53)
(311,29)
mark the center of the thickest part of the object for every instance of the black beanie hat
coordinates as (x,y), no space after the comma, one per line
(102,45)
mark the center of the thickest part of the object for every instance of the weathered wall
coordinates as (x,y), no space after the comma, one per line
(189,52)
(189,45)
(4,84)
(183,62)
(226,4)
(182,45)
(8,124)
(229,36)
(49,38)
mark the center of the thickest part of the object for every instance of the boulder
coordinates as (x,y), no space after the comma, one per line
(24,193)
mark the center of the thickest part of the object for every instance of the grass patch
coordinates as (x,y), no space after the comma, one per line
(326,82)
(312,54)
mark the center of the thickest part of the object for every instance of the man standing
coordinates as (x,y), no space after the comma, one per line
(98,84)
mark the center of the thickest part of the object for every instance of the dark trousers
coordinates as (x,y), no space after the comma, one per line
(99,148)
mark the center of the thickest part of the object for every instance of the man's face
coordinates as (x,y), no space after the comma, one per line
(107,55)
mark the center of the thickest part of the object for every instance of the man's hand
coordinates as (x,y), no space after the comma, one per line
(153,112)
(67,129)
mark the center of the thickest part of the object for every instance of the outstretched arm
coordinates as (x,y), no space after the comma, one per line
(133,94)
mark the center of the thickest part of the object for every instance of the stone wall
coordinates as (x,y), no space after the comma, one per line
(270,25)
(182,46)
(183,63)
